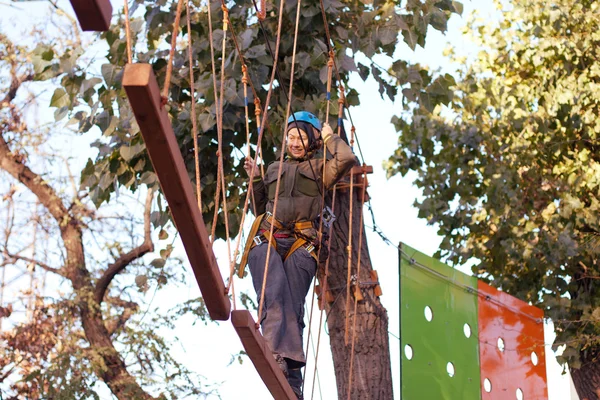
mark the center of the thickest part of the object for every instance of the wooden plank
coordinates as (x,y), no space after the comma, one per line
(259,352)
(93,15)
(144,96)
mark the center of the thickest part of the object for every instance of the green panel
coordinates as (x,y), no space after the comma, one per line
(451,296)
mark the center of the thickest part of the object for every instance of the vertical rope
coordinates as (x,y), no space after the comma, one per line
(349,248)
(127,31)
(360,238)
(31,266)
(172,51)
(283,140)
(324,289)
(329,72)
(193,106)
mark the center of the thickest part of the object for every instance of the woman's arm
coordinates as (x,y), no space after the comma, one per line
(259,190)
(343,158)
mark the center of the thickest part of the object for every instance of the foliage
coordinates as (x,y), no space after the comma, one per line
(510,170)
(367,28)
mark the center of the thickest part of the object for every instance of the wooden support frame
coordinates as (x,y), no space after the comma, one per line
(93,15)
(259,352)
(144,96)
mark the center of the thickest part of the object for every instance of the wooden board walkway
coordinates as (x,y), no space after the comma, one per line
(144,96)
(93,15)
(259,352)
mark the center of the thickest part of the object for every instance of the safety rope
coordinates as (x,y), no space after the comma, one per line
(357,286)
(278,184)
(325,286)
(193,107)
(213,230)
(127,32)
(172,52)
(349,249)
(329,72)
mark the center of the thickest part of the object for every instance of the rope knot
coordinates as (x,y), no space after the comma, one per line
(225,16)
(244,74)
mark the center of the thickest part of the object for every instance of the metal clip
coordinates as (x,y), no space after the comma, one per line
(257,240)
(310,248)
(328,217)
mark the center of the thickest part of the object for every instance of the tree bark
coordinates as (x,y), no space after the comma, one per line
(587,378)
(371,371)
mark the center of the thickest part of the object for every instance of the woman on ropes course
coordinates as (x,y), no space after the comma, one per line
(293,262)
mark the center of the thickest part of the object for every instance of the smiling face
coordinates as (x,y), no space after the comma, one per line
(295,138)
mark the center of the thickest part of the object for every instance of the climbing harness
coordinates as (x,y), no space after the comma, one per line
(261,232)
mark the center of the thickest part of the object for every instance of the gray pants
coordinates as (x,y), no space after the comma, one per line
(286,288)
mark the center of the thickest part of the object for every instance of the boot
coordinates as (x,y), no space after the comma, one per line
(295,381)
(281,363)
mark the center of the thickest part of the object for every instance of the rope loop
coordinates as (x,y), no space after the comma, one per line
(244,74)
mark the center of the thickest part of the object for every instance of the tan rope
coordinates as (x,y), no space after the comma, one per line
(193,96)
(276,57)
(349,249)
(324,289)
(329,71)
(357,286)
(172,51)
(127,31)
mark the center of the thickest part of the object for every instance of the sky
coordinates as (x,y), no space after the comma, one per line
(208,349)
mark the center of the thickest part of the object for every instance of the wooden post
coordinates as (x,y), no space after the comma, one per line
(144,96)
(93,15)
(259,352)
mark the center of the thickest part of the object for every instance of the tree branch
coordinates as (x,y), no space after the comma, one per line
(40,264)
(13,164)
(125,259)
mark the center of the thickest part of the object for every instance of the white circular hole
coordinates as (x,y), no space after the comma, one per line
(408,351)
(501,344)
(487,385)
(467,330)
(428,313)
(450,369)
(519,394)
(534,358)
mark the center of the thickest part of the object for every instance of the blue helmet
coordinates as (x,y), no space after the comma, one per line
(305,116)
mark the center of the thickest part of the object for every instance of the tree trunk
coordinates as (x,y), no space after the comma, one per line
(587,378)
(371,372)
(112,370)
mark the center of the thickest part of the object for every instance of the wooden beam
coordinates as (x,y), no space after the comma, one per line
(93,15)
(259,352)
(144,96)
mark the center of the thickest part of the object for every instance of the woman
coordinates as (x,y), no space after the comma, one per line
(293,258)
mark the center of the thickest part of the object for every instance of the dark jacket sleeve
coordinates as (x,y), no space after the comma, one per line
(260,197)
(342,162)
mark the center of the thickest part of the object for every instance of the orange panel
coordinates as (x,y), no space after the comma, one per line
(511,347)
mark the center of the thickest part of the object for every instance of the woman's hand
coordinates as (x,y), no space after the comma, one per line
(249,165)
(326,132)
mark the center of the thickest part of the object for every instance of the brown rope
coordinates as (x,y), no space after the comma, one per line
(324,289)
(165,94)
(276,57)
(193,106)
(127,31)
(357,286)
(329,72)
(349,250)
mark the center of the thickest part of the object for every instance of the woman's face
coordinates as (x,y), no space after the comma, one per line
(295,139)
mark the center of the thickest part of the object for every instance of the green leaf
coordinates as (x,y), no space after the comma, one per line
(60,98)
(129,152)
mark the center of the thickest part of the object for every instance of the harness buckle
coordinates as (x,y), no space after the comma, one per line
(257,240)
(310,248)
(328,217)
